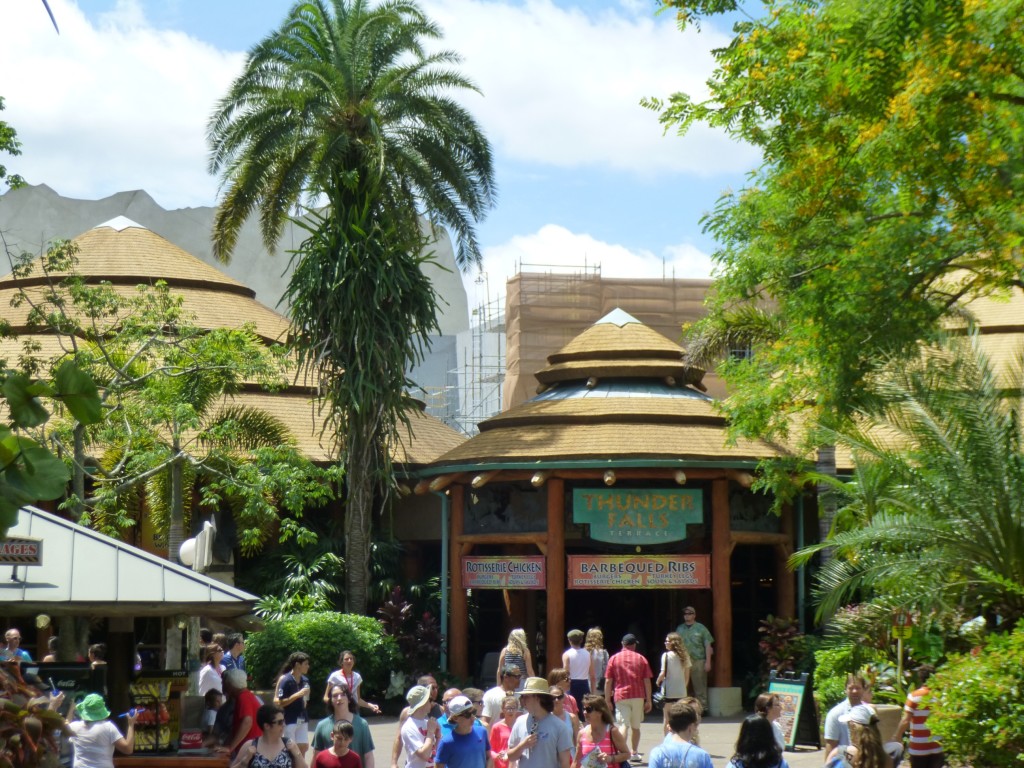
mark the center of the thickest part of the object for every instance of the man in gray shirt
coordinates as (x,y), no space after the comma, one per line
(539,739)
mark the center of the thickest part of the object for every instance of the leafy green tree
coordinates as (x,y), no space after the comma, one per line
(29,471)
(343,107)
(934,517)
(977,709)
(171,432)
(889,187)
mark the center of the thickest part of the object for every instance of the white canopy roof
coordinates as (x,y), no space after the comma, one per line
(85,572)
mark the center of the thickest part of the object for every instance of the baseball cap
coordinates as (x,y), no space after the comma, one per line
(459,705)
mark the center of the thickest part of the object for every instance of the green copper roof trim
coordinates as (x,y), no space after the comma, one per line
(588,464)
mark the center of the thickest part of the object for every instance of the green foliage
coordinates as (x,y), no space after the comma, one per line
(343,97)
(888,190)
(782,645)
(833,664)
(9,145)
(323,636)
(934,519)
(30,472)
(162,419)
(308,585)
(342,103)
(977,706)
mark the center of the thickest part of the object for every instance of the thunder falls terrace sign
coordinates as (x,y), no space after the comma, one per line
(637,516)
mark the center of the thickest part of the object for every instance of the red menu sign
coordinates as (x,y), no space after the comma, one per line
(639,572)
(504,573)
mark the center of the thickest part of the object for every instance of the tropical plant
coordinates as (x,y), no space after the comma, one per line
(27,724)
(309,585)
(342,106)
(29,471)
(324,635)
(934,518)
(884,192)
(782,645)
(418,635)
(976,703)
(170,428)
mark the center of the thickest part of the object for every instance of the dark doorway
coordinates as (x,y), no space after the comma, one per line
(754,597)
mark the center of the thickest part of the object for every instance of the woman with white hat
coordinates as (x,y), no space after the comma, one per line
(94,737)
(865,749)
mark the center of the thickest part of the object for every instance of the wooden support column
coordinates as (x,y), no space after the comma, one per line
(556,572)
(121,662)
(785,581)
(458,624)
(721,584)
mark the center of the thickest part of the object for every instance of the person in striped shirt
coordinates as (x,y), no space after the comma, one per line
(924,750)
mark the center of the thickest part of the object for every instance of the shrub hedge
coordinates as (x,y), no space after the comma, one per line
(977,702)
(323,635)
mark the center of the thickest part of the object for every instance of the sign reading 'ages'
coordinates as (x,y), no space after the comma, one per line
(19,551)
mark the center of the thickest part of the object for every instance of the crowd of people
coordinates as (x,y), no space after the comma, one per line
(586,714)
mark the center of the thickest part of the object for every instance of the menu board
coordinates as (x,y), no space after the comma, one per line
(798,720)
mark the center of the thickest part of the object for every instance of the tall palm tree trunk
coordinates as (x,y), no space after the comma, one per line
(359,483)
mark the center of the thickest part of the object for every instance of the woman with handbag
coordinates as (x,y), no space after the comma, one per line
(270,749)
(599,743)
(675,674)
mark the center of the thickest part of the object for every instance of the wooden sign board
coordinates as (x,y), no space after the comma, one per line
(798,720)
(21,551)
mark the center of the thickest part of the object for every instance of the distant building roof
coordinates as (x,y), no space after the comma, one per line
(85,572)
(126,254)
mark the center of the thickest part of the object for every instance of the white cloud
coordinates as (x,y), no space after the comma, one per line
(562,87)
(119,104)
(555,248)
(114,106)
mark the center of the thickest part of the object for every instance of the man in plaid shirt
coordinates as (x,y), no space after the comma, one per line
(628,679)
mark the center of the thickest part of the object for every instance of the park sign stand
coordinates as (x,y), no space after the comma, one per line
(799,721)
(902,629)
(20,551)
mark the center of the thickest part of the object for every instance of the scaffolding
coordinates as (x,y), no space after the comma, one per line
(544,308)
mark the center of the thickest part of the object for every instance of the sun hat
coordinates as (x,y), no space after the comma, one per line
(459,705)
(536,686)
(417,696)
(861,714)
(93,708)
(629,639)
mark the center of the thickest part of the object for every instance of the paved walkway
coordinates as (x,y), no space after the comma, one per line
(717,736)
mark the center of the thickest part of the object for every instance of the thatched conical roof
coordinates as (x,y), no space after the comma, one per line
(618,394)
(126,254)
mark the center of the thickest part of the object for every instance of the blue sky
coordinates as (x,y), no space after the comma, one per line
(119,100)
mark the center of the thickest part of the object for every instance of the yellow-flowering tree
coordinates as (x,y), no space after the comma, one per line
(891,136)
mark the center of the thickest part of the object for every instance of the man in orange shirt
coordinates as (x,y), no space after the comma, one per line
(924,750)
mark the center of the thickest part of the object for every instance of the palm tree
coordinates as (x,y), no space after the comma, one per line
(342,107)
(934,518)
